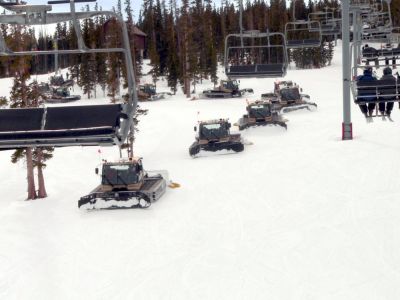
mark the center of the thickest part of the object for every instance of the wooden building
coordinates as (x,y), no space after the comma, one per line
(139,41)
(138,36)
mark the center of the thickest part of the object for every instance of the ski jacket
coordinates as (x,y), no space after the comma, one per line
(391,80)
(366,77)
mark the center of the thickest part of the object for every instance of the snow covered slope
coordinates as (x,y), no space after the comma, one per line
(299,215)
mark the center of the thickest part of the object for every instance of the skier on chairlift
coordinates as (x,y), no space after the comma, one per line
(390,79)
(370,53)
(367,110)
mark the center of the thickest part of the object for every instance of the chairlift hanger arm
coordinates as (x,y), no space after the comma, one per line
(294,10)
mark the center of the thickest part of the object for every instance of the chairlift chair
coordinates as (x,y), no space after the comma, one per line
(362,5)
(89,125)
(376,17)
(330,25)
(389,52)
(335,22)
(381,35)
(378,25)
(378,91)
(255,54)
(303,34)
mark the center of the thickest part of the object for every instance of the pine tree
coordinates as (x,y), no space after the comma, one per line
(172,59)
(87,68)
(19,97)
(395,10)
(100,58)
(4,60)
(211,53)
(3,101)
(119,7)
(185,42)
(153,53)
(73,60)
(24,95)
(113,38)
(155,63)
(41,155)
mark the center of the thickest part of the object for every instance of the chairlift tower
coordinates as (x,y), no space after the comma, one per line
(347,127)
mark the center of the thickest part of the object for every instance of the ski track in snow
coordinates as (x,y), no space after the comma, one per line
(299,215)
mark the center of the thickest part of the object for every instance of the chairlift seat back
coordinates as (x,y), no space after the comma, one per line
(60,126)
(303,43)
(377,90)
(367,90)
(272,69)
(21,119)
(242,69)
(88,116)
(261,70)
(389,52)
(387,88)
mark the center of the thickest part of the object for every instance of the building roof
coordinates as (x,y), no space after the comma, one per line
(137,31)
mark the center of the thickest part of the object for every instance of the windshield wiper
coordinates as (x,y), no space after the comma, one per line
(256,112)
(216,136)
(123,181)
(106,178)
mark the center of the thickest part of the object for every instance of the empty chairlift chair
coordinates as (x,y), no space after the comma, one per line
(362,5)
(330,25)
(88,125)
(303,34)
(255,54)
(377,26)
